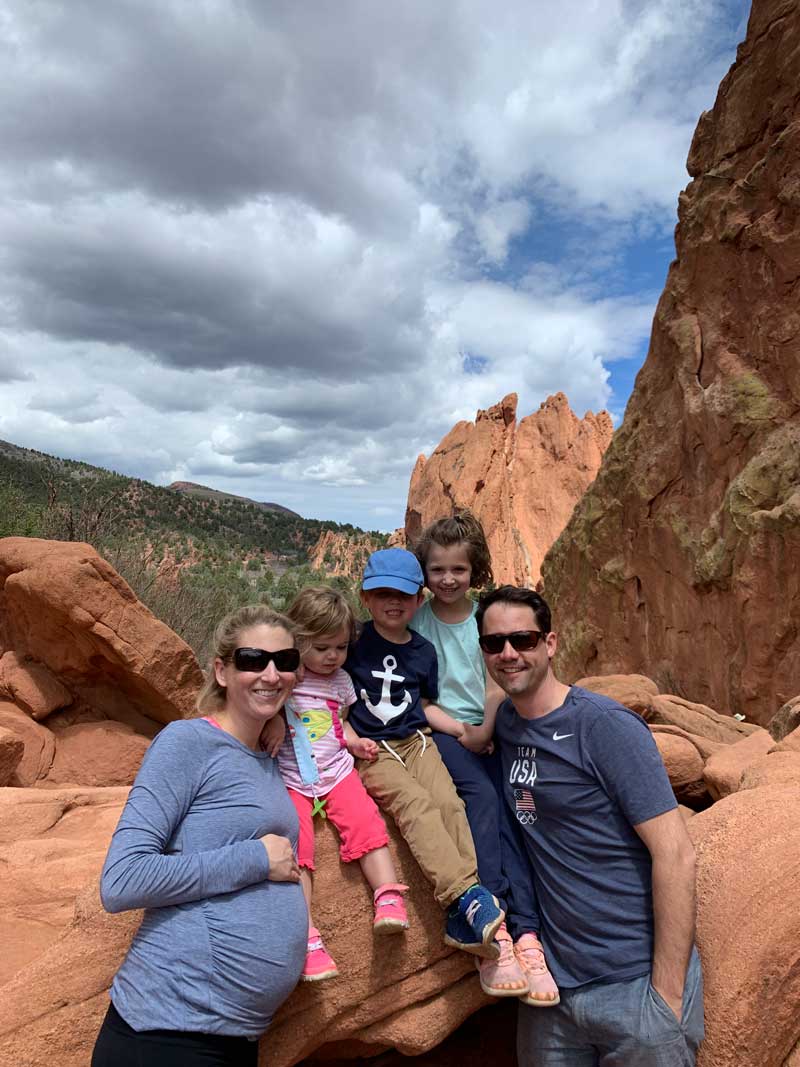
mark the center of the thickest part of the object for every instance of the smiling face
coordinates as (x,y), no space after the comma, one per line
(391,611)
(517,673)
(255,696)
(448,572)
(328,652)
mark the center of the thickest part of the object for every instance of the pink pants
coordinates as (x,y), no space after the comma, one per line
(354,814)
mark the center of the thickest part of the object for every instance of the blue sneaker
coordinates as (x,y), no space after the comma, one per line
(473,922)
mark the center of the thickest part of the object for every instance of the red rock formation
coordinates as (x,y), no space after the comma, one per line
(683,559)
(339,553)
(522,480)
(64,607)
(748,926)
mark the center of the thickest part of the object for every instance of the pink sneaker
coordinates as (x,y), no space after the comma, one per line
(503,977)
(390,908)
(542,989)
(319,963)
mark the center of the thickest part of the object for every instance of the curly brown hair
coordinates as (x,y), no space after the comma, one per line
(462,528)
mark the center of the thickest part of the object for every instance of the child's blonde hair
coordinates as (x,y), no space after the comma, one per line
(226,639)
(461,528)
(317,611)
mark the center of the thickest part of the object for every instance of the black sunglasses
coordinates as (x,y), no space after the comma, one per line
(257,659)
(520,641)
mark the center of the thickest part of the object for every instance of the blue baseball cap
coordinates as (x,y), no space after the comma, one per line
(393,568)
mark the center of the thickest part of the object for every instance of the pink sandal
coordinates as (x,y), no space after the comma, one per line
(503,977)
(542,989)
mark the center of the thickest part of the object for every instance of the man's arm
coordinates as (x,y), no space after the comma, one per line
(672,853)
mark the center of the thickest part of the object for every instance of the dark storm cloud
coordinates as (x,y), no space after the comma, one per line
(194,311)
(214,104)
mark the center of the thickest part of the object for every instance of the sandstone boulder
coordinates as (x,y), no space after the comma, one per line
(12,749)
(683,558)
(31,686)
(776,768)
(408,991)
(748,928)
(39,746)
(786,720)
(52,843)
(724,769)
(697,719)
(63,606)
(97,753)
(684,765)
(634,691)
(521,480)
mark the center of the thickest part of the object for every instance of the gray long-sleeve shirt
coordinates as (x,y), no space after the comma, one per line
(220,947)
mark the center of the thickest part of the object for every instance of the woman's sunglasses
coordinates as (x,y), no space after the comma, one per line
(257,659)
(520,641)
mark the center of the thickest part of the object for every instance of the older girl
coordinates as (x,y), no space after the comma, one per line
(205,845)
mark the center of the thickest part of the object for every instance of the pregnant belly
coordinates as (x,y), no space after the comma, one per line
(257,940)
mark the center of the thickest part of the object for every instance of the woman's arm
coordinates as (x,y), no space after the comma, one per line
(138,873)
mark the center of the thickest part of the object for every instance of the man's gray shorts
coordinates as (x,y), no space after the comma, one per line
(619,1024)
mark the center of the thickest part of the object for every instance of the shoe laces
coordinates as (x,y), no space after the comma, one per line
(529,949)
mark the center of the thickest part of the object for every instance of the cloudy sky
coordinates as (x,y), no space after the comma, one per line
(279,248)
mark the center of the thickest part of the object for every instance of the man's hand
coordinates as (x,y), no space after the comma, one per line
(282,863)
(363,748)
(674,1002)
(273,734)
(476,739)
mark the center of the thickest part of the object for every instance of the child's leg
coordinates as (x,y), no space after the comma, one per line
(363,837)
(319,964)
(523,913)
(503,977)
(474,784)
(420,822)
(475,916)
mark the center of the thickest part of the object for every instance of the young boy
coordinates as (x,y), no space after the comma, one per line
(394,673)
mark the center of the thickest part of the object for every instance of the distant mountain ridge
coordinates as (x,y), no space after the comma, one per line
(207,493)
(186,520)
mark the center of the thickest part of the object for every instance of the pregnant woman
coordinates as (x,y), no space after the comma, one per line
(206,845)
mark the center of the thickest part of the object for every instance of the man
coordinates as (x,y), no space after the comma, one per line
(613,866)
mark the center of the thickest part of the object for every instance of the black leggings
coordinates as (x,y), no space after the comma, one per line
(118,1045)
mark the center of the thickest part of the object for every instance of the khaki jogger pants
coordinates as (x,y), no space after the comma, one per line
(420,796)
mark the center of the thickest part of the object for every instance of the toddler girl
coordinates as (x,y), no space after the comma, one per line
(454,556)
(319,772)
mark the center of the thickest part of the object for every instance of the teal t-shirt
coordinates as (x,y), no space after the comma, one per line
(462,675)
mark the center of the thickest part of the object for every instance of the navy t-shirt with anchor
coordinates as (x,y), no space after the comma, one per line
(391,681)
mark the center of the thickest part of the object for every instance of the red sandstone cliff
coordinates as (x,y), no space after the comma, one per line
(683,559)
(522,480)
(337,553)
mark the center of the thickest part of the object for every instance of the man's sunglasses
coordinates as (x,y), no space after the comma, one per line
(520,641)
(257,659)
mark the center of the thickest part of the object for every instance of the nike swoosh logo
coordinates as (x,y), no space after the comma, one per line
(560,737)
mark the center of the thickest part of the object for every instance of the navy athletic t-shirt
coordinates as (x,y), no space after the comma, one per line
(390,681)
(578,780)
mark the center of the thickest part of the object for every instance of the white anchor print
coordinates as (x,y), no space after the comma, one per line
(385,710)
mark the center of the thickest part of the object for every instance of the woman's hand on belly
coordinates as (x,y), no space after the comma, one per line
(282,863)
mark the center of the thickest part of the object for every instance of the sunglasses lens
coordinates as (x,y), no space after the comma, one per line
(521,641)
(288,659)
(250,659)
(257,659)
